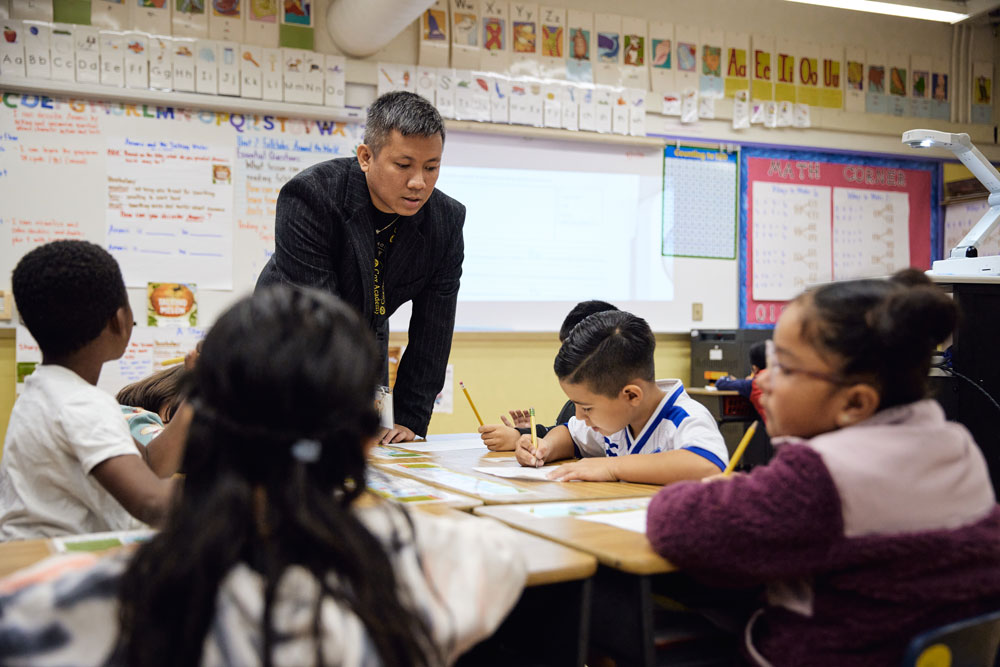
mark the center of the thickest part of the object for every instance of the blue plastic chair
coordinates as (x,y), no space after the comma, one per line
(973,642)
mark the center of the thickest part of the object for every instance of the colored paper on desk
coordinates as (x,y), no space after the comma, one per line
(458,481)
(520,472)
(408,491)
(634,520)
(580,509)
(100,541)
(383,453)
(444,445)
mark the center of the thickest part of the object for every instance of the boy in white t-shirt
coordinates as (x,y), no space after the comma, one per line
(628,426)
(69,463)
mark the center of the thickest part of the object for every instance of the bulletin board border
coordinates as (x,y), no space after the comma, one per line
(747,152)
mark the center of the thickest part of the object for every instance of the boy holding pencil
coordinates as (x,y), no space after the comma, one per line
(628,426)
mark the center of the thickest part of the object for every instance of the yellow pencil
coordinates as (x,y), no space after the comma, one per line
(171,362)
(473,405)
(735,458)
(534,435)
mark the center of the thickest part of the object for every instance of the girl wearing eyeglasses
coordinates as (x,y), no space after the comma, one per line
(876,519)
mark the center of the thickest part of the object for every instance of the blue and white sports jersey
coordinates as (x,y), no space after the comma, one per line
(679,422)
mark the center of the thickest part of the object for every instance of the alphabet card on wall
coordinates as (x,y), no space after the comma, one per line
(524,39)
(899,79)
(495,33)
(607,69)
(109,14)
(434,35)
(737,72)
(37,41)
(784,81)
(190,19)
(711,85)
(261,26)
(552,22)
(940,90)
(854,96)
(226,20)
(761,77)
(465,51)
(63,68)
(920,86)
(635,53)
(831,94)
(982,92)
(151,16)
(661,57)
(12,49)
(876,94)
(807,74)
(580,46)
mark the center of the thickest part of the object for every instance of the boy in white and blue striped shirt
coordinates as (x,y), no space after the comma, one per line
(628,426)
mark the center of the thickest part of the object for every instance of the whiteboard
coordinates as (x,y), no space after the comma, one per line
(959,218)
(181,195)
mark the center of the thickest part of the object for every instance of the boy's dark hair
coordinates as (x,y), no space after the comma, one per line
(605,351)
(66,293)
(408,113)
(162,388)
(758,355)
(881,330)
(581,311)
(283,399)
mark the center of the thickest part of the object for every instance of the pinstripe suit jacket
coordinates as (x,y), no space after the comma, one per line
(324,238)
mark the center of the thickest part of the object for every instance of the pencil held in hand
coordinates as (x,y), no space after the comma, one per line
(471,404)
(738,454)
(534,434)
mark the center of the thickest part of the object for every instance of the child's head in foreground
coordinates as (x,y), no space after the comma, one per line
(605,366)
(283,399)
(67,293)
(846,350)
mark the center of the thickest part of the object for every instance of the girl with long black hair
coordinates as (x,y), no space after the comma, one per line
(272,554)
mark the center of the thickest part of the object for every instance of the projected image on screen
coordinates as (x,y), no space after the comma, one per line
(536,235)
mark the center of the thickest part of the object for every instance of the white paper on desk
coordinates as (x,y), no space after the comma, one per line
(520,472)
(634,520)
(443,445)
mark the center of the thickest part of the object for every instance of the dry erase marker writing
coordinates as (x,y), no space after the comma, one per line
(471,404)
(739,449)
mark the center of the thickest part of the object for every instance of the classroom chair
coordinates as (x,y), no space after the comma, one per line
(973,642)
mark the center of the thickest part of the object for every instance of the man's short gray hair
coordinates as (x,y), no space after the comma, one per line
(408,113)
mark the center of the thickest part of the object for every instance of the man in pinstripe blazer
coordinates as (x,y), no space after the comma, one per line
(374,231)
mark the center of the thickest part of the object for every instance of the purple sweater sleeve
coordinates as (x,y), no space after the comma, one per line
(777,522)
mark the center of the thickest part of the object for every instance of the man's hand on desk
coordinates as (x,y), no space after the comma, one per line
(398,433)
(595,469)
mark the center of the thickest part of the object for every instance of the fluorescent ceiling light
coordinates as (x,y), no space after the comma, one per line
(907,11)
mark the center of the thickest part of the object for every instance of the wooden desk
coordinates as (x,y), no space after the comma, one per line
(557,599)
(22,553)
(463,461)
(621,618)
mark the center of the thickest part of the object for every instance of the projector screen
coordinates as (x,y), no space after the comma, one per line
(550,223)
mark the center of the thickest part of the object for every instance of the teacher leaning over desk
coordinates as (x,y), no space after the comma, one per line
(375,232)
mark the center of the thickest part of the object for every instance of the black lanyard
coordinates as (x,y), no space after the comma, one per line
(381,253)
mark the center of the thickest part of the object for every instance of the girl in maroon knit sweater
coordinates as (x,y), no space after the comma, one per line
(876,519)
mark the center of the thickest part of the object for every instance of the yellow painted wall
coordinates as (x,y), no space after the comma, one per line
(7,379)
(507,371)
(502,372)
